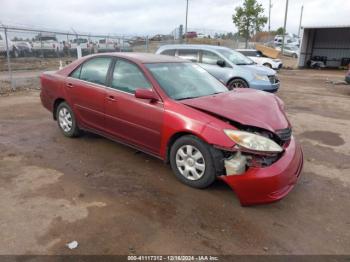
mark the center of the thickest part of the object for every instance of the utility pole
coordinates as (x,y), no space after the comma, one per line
(284,27)
(8,58)
(186,20)
(270,15)
(301,19)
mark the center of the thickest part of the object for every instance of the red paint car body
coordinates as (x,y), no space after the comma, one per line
(152,125)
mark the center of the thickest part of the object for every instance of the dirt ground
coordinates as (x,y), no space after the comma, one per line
(113,200)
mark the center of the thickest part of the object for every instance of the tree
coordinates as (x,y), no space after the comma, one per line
(249,19)
(280,31)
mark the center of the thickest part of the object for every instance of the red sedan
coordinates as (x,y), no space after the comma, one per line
(176,111)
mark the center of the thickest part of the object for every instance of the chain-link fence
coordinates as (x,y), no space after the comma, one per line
(25,52)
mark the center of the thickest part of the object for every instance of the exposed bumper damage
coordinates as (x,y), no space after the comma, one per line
(264,184)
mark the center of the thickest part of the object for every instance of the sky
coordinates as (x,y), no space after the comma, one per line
(148,17)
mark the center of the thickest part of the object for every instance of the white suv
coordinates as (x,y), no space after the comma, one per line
(259,58)
(12,47)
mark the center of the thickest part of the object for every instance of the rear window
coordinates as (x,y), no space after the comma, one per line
(170,52)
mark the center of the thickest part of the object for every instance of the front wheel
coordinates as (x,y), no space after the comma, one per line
(192,162)
(237,83)
(66,120)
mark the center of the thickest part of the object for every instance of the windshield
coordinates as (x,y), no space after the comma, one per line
(294,48)
(80,41)
(48,38)
(185,80)
(235,57)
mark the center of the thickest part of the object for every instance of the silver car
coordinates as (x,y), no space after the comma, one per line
(290,50)
(230,67)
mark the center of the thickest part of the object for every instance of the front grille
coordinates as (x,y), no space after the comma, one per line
(284,134)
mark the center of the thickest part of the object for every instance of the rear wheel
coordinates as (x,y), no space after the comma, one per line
(237,83)
(66,120)
(268,65)
(15,53)
(192,162)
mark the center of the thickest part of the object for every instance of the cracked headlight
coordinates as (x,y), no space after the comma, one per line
(253,142)
(261,77)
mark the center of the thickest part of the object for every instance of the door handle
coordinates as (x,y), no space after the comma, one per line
(111,98)
(70,85)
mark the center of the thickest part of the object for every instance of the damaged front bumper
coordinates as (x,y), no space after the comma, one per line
(260,185)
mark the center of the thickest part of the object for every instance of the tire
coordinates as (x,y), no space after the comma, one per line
(15,53)
(294,55)
(66,120)
(237,83)
(268,65)
(181,160)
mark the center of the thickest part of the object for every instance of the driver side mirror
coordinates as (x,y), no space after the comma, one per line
(221,63)
(144,93)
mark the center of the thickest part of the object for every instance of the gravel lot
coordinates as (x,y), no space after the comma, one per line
(113,200)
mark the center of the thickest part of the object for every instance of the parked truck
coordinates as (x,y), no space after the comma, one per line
(85,45)
(46,45)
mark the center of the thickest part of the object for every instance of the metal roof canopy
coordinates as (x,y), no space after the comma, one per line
(324,26)
(332,42)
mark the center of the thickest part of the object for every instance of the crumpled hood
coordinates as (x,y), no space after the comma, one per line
(245,106)
(260,70)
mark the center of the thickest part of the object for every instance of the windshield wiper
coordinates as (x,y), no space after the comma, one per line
(245,64)
(216,93)
(187,97)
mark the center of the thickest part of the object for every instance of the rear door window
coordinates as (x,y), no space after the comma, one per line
(188,54)
(95,70)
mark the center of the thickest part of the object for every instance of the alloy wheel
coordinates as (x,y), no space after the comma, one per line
(190,162)
(65,119)
(237,84)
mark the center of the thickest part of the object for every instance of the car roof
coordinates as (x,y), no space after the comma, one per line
(145,58)
(253,50)
(203,47)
